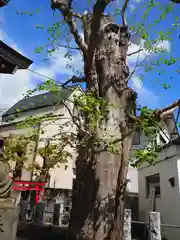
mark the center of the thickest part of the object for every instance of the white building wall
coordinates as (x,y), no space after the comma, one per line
(132,174)
(168,204)
(61,176)
(132,177)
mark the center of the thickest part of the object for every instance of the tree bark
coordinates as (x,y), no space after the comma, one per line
(98,194)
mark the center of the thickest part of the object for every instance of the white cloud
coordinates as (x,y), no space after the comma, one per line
(137,56)
(165,45)
(145,95)
(137,44)
(136,82)
(132,7)
(12,87)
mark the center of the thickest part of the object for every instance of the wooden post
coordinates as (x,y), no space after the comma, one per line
(127,224)
(154,226)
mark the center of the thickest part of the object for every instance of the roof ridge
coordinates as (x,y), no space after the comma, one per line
(38,101)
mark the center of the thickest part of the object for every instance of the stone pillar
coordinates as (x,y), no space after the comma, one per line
(23,210)
(8,219)
(154,226)
(39,213)
(9,211)
(127,224)
(56,214)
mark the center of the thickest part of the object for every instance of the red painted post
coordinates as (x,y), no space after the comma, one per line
(37,192)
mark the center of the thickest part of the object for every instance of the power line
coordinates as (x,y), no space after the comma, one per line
(44,76)
(39,74)
(62,84)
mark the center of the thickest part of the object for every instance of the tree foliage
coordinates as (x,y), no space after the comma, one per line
(106,112)
(18,149)
(15,149)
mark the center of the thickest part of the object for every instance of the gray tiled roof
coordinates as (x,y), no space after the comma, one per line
(39,101)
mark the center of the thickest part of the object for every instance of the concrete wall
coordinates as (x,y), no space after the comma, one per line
(133,180)
(44,232)
(168,204)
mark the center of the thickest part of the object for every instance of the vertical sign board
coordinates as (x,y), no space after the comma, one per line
(151,199)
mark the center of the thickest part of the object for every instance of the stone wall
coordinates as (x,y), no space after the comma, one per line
(29,231)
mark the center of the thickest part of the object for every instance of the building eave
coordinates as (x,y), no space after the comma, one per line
(10,55)
(3,3)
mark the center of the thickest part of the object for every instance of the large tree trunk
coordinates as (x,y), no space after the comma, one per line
(98,194)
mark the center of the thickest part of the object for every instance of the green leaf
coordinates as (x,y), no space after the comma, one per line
(39,49)
(166,86)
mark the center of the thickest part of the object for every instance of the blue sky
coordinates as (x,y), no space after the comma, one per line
(20,32)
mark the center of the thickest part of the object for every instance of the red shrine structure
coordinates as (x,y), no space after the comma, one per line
(29,186)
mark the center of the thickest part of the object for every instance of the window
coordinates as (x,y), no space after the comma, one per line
(153,181)
(136,139)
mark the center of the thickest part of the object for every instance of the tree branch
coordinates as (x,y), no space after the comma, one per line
(77,15)
(65,9)
(63,46)
(97,14)
(130,54)
(176,1)
(168,110)
(69,47)
(74,79)
(123,11)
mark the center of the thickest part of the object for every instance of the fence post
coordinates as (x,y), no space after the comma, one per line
(56,214)
(127,224)
(39,213)
(154,226)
